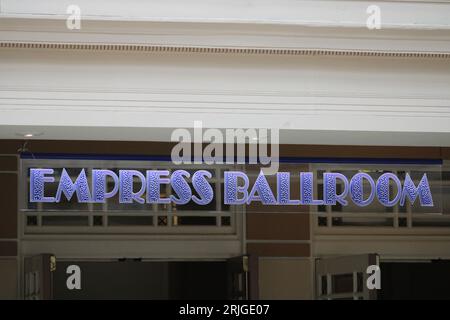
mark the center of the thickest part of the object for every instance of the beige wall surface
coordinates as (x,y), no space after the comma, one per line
(8,278)
(285,278)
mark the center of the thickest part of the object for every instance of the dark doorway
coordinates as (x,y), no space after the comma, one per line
(144,280)
(198,280)
(416,280)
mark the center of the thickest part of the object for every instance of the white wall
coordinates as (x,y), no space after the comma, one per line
(396,13)
(124,93)
(336,93)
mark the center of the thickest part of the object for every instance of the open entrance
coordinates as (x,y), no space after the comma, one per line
(415,280)
(345,277)
(46,278)
(144,280)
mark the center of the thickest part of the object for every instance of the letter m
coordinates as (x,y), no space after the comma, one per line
(80,186)
(241,136)
(422,190)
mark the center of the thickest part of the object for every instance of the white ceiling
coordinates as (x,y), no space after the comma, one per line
(131,95)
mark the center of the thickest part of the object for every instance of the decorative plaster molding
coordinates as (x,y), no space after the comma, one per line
(222,50)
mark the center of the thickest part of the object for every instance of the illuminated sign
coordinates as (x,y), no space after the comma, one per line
(133,186)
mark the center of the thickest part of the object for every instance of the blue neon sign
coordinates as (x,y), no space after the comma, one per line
(133,186)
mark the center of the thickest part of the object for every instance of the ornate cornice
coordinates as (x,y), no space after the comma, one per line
(222,50)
